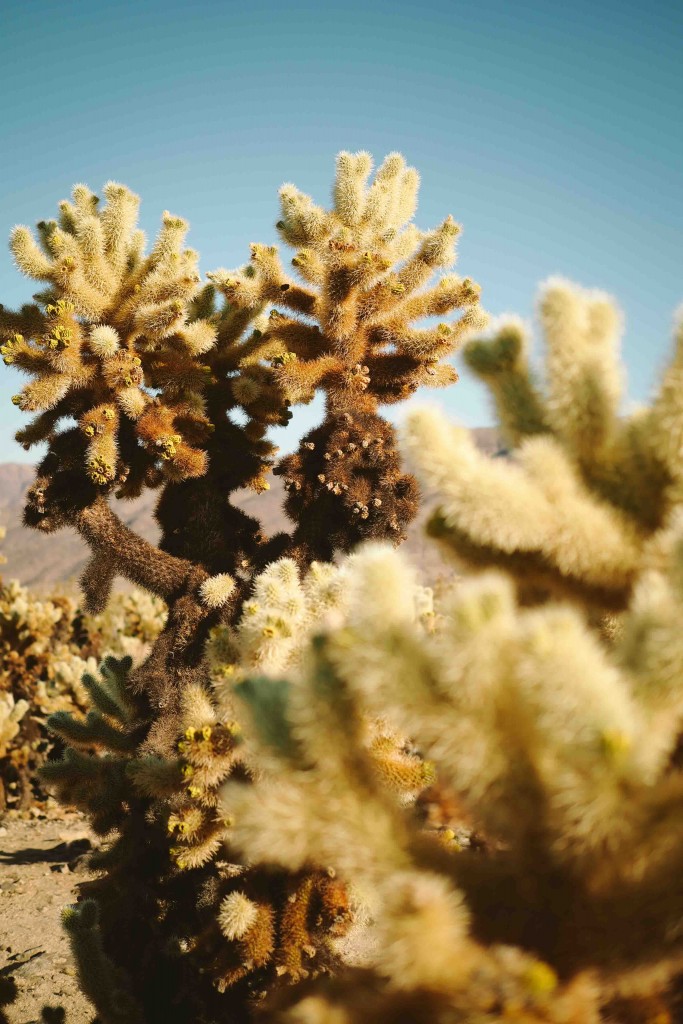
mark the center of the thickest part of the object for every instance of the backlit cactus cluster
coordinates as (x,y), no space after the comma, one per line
(107,309)
(350,327)
(224,927)
(136,350)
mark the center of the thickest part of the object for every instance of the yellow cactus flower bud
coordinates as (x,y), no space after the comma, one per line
(614,742)
(540,978)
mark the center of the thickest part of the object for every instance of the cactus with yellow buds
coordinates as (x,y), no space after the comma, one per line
(142,376)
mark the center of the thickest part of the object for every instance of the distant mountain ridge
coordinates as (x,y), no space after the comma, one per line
(42,561)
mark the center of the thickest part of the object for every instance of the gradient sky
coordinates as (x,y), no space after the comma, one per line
(553,132)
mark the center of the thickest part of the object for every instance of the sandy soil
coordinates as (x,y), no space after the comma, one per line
(41,863)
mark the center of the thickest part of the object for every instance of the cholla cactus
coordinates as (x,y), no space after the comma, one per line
(559,736)
(174,385)
(132,348)
(577,510)
(350,330)
(275,621)
(137,351)
(558,748)
(109,323)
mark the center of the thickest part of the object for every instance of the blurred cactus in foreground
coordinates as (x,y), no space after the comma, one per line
(548,696)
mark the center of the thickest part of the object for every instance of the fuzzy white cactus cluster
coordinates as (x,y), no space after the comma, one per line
(548,695)
(141,377)
(285,610)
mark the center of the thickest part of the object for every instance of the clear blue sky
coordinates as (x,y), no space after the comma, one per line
(552,131)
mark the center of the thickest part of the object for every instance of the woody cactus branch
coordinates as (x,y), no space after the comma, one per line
(136,559)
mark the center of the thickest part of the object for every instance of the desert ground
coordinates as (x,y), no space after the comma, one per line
(41,865)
